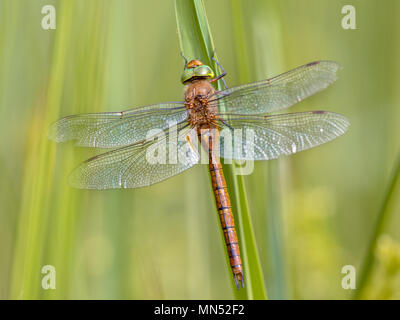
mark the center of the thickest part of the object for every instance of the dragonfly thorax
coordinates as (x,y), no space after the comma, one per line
(202,112)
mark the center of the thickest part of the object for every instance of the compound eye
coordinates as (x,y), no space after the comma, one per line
(204,71)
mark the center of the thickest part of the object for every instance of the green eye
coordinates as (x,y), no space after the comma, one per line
(186,75)
(202,71)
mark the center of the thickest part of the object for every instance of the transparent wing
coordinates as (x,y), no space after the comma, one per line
(265,138)
(279,92)
(116,129)
(138,165)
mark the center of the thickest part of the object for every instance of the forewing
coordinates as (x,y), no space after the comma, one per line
(116,129)
(265,138)
(134,166)
(279,92)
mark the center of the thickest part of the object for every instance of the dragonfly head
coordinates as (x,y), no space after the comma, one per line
(195,69)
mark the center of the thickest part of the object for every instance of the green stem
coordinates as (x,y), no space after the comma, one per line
(380,224)
(196,43)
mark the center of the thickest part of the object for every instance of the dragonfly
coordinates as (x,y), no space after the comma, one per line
(197,124)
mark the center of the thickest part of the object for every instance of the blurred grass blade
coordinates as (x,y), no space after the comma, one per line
(265,60)
(37,194)
(196,43)
(383,217)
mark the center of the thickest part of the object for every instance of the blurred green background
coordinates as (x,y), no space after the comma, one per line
(313,212)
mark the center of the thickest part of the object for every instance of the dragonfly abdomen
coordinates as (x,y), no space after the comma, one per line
(226,218)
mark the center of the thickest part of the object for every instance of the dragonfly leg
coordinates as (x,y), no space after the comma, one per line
(223,122)
(222,75)
(184,58)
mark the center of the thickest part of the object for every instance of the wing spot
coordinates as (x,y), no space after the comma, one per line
(312,63)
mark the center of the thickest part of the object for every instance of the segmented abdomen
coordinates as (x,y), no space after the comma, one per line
(226,217)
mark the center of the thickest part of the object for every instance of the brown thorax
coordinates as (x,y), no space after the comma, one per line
(202,112)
